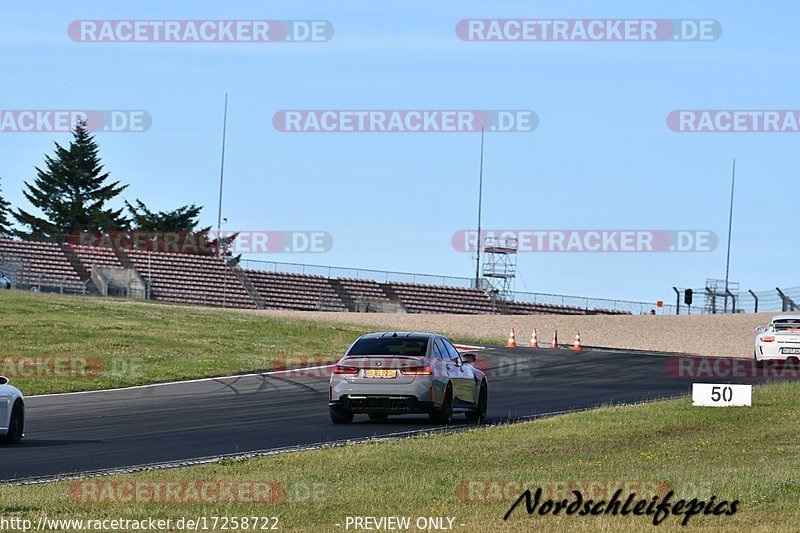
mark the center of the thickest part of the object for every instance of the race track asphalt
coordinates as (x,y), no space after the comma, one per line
(83,433)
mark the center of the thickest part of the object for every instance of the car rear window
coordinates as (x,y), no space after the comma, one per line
(414,346)
(783,325)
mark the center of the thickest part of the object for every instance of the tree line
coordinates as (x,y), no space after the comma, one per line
(73,193)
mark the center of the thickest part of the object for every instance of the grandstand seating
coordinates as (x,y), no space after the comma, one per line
(607,312)
(42,265)
(363,289)
(300,292)
(96,256)
(190,279)
(417,298)
(205,280)
(529,308)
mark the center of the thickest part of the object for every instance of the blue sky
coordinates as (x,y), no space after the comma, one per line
(601,158)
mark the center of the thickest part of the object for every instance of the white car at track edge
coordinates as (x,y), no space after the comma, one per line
(780,340)
(12,413)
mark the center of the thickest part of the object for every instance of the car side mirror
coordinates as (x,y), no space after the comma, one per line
(3,380)
(761,329)
(468,357)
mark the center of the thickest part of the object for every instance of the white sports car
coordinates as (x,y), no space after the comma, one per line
(12,413)
(780,340)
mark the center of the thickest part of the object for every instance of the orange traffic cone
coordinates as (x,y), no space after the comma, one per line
(577,344)
(512,339)
(534,340)
(555,339)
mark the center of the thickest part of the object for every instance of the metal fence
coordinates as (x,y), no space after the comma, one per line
(24,277)
(41,283)
(381,276)
(10,267)
(707,301)
(599,304)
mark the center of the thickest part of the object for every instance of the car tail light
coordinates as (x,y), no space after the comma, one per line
(768,338)
(346,370)
(418,371)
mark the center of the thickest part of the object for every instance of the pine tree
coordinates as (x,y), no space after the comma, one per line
(181,219)
(5,226)
(72,192)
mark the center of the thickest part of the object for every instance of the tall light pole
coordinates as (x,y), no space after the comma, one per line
(222,175)
(730,227)
(480,204)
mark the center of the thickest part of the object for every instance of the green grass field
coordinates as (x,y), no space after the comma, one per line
(746,454)
(108,343)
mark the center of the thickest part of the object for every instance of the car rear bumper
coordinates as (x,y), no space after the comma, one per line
(774,353)
(380,403)
(420,390)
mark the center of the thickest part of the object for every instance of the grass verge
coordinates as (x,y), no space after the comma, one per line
(746,454)
(55,343)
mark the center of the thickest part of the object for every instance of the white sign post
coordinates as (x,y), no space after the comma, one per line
(723,395)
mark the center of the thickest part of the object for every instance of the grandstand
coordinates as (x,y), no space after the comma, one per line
(418,298)
(295,291)
(209,280)
(528,308)
(40,264)
(190,279)
(365,290)
(92,256)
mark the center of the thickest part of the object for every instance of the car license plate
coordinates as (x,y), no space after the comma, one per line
(790,350)
(385,374)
